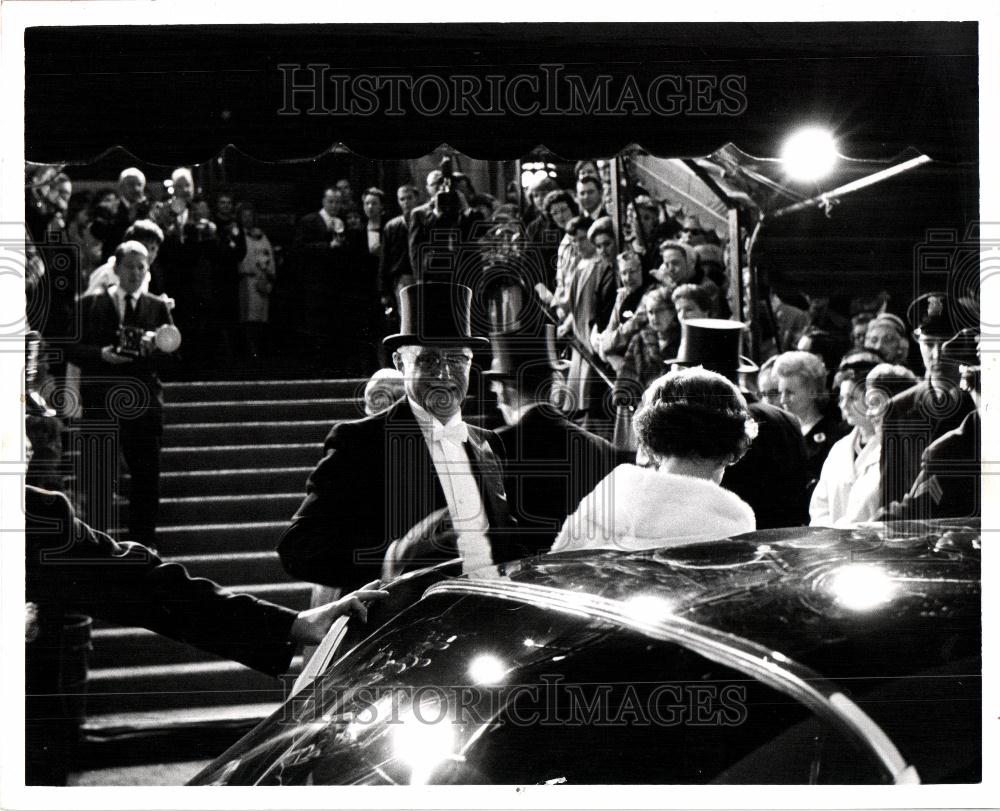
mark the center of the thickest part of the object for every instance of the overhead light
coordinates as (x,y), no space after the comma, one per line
(809,154)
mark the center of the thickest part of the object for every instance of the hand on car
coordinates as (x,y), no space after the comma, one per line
(311,625)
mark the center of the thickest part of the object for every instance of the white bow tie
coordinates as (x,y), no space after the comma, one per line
(457,433)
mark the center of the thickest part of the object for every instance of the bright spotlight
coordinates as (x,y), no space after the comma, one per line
(809,154)
(423,739)
(486,669)
(861,587)
(648,608)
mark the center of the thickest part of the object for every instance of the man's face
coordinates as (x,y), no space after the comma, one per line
(201,210)
(331,203)
(885,342)
(182,187)
(588,195)
(132,188)
(435,182)
(407,199)
(937,369)
(648,219)
(59,194)
(372,206)
(224,206)
(606,246)
(131,271)
(859,333)
(629,274)
(435,377)
(691,232)
(676,265)
(561,213)
(343,187)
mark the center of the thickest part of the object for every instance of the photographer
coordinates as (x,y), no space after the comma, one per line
(122,397)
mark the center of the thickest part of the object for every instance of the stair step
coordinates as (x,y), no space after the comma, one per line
(230,568)
(149,688)
(239,411)
(220,509)
(115,723)
(180,483)
(227,457)
(262,389)
(218,433)
(199,539)
(116,648)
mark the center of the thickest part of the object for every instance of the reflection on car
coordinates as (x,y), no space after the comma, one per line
(791,656)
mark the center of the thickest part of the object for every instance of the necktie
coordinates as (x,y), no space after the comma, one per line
(456,433)
(129,318)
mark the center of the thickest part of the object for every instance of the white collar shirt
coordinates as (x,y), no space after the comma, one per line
(454,471)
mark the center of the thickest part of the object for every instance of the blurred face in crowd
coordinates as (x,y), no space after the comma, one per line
(372,206)
(853,407)
(687,309)
(606,247)
(132,188)
(561,213)
(648,219)
(343,187)
(767,388)
(584,246)
(59,194)
(661,316)
(183,187)
(152,248)
(859,332)
(224,207)
(588,195)
(676,266)
(131,271)
(331,203)
(797,398)
(435,377)
(588,168)
(885,342)
(629,273)
(201,210)
(407,199)
(107,202)
(538,197)
(691,232)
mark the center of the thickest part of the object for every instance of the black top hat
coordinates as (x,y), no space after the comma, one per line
(963,348)
(520,355)
(435,313)
(930,314)
(713,343)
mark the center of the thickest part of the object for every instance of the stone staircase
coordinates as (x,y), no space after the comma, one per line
(235,459)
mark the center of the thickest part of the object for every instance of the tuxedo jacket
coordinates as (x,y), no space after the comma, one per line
(550,464)
(435,243)
(376,481)
(136,380)
(913,420)
(773,475)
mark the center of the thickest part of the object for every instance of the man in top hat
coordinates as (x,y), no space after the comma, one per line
(772,476)
(550,462)
(384,474)
(936,405)
(948,484)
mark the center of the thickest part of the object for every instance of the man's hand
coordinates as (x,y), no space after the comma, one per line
(108,355)
(311,625)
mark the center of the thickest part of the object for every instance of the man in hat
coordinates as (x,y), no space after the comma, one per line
(772,476)
(384,474)
(922,414)
(948,483)
(550,463)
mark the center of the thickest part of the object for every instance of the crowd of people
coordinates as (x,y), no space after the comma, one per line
(626,416)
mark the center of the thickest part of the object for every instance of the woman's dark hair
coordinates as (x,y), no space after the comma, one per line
(374,191)
(855,366)
(694,412)
(581,222)
(695,293)
(559,196)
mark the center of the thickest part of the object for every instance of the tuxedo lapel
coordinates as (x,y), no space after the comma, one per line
(489,480)
(413,489)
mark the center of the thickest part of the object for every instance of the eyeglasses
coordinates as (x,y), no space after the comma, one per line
(431,362)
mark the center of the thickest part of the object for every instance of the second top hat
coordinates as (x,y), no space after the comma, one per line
(435,313)
(713,343)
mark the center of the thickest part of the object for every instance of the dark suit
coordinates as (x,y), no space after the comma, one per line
(819,439)
(435,241)
(376,481)
(772,476)
(395,259)
(127,397)
(948,484)
(70,566)
(913,420)
(550,465)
